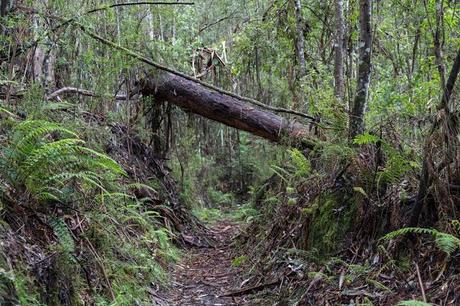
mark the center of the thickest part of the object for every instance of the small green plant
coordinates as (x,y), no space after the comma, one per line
(301,163)
(238,261)
(219,198)
(245,212)
(209,215)
(365,138)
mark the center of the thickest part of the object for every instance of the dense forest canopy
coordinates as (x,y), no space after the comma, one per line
(277,152)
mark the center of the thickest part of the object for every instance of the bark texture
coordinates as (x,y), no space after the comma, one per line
(226,109)
(300,38)
(339,89)
(5,6)
(364,70)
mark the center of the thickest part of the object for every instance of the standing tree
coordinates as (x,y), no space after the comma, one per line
(338,51)
(364,70)
(300,38)
(4,7)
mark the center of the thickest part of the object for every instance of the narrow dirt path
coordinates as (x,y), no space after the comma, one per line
(205,275)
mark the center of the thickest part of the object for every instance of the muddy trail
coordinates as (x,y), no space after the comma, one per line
(206,276)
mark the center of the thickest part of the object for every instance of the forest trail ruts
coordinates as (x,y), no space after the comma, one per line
(205,275)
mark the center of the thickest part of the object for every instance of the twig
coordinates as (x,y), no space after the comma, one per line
(79,91)
(206,26)
(313,282)
(420,282)
(250,289)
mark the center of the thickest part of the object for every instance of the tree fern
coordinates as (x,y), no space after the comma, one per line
(445,242)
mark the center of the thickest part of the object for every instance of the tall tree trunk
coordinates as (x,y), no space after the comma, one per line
(300,39)
(5,6)
(339,89)
(438,42)
(364,70)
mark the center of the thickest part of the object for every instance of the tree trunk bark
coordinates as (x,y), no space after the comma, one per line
(4,7)
(300,38)
(338,48)
(223,108)
(364,70)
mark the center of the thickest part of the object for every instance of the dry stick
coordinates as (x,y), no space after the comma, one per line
(250,289)
(420,282)
(185,76)
(80,91)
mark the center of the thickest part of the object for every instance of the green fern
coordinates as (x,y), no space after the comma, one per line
(445,242)
(63,234)
(365,138)
(32,130)
(47,159)
(300,162)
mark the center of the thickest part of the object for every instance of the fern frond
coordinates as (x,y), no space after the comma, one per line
(63,234)
(32,129)
(445,242)
(89,177)
(49,154)
(139,185)
(103,160)
(302,164)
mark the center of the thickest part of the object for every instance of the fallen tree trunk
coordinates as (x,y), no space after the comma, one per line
(226,109)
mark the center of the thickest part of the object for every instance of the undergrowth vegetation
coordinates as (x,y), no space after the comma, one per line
(87,238)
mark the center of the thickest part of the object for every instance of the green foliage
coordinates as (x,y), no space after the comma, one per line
(413,303)
(209,215)
(220,198)
(301,163)
(445,242)
(396,167)
(246,213)
(331,219)
(63,234)
(26,294)
(331,152)
(240,260)
(365,138)
(50,161)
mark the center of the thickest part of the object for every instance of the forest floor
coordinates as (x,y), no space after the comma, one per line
(206,276)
